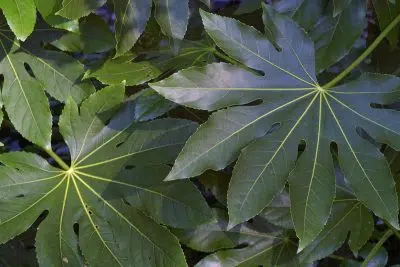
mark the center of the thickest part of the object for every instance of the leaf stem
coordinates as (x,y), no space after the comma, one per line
(368,51)
(377,246)
(57,159)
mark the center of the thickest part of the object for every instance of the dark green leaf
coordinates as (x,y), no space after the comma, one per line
(93,36)
(278,212)
(294,109)
(248,7)
(386,11)
(267,246)
(345,213)
(339,6)
(20,15)
(28,70)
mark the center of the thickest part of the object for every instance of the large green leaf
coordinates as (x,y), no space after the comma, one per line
(261,244)
(21,16)
(294,109)
(111,190)
(28,70)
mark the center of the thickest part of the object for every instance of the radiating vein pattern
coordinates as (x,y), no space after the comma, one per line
(281,126)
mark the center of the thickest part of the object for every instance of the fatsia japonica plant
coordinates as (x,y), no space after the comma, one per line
(194,133)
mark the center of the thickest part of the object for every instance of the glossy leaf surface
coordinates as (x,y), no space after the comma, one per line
(110,192)
(295,109)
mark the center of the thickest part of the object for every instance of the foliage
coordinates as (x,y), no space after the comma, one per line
(284,115)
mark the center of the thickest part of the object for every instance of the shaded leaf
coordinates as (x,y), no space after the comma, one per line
(248,7)
(278,212)
(386,11)
(93,36)
(294,109)
(267,246)
(344,215)
(339,6)
(28,70)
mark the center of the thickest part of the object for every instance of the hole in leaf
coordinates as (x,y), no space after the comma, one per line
(90,212)
(29,70)
(129,167)
(254,103)
(243,245)
(119,144)
(76,228)
(20,196)
(126,202)
(301,148)
(363,134)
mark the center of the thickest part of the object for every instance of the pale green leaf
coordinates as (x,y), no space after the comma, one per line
(75,9)
(172,16)
(20,15)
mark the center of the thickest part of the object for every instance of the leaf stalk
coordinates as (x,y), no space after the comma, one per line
(368,51)
(377,246)
(59,160)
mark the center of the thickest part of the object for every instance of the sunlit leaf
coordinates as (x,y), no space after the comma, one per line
(20,15)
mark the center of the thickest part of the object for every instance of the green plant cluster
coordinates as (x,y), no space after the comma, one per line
(251,135)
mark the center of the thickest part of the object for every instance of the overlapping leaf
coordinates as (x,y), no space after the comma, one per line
(333,25)
(101,206)
(248,244)
(295,109)
(132,17)
(29,71)
(156,63)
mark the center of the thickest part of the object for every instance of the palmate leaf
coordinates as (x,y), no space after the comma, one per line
(108,194)
(247,244)
(295,109)
(28,70)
